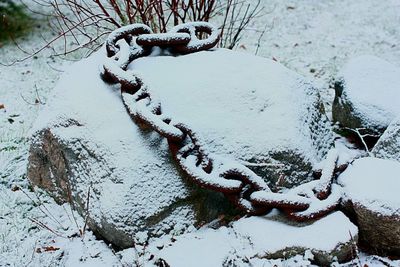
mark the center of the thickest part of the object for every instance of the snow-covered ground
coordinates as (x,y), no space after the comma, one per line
(314,38)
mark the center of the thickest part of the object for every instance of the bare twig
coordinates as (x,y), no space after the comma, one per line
(87,212)
(237,18)
(42,207)
(261,36)
(383,261)
(361,136)
(71,205)
(355,249)
(84,24)
(44,226)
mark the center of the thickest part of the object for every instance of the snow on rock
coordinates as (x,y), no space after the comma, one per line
(86,150)
(245,108)
(371,187)
(388,145)
(85,142)
(262,237)
(367,94)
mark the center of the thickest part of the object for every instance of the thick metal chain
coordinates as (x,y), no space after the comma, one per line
(243,187)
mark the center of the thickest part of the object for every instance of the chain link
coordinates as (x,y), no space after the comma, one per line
(248,191)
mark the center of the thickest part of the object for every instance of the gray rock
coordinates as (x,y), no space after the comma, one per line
(388,145)
(264,239)
(379,234)
(87,151)
(245,107)
(371,198)
(367,91)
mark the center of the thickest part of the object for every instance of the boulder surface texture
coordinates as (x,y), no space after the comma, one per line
(367,93)
(86,150)
(371,188)
(388,145)
(264,238)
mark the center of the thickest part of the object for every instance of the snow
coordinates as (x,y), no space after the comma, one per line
(268,93)
(212,179)
(142,110)
(275,236)
(372,85)
(256,237)
(327,171)
(322,206)
(170,38)
(268,197)
(310,35)
(374,184)
(316,38)
(123,167)
(24,240)
(197,27)
(132,30)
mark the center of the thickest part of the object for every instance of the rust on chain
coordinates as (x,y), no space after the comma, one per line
(245,189)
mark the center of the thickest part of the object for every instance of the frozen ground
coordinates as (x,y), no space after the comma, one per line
(312,37)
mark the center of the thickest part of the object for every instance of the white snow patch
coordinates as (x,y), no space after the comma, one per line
(269,236)
(131,169)
(373,87)
(256,237)
(373,183)
(241,105)
(311,34)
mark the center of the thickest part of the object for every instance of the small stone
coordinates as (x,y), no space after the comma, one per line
(329,239)
(15,188)
(371,188)
(367,93)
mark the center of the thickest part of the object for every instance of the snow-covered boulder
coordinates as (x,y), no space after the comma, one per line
(367,94)
(246,108)
(371,188)
(261,237)
(388,145)
(86,149)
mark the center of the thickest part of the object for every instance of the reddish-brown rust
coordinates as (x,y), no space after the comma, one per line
(125,33)
(294,215)
(338,169)
(126,86)
(187,142)
(324,194)
(194,31)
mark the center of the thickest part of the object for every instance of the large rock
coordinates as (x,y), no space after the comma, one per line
(388,145)
(246,108)
(331,239)
(371,187)
(367,93)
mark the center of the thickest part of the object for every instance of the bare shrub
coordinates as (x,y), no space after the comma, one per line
(13,20)
(237,17)
(85,23)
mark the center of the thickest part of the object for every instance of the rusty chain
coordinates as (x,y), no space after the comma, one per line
(243,187)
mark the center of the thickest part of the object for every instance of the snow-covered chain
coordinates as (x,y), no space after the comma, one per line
(243,187)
